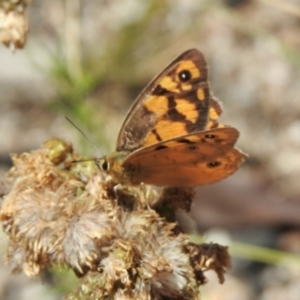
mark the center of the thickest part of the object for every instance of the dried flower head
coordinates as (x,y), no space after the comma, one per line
(13,23)
(64,213)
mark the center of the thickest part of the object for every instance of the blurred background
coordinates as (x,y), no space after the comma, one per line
(88,60)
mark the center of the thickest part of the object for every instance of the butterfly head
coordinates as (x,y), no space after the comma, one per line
(112,165)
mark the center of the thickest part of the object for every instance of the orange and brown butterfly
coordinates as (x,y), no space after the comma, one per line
(171,135)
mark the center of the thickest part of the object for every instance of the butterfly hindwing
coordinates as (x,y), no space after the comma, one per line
(186,161)
(175,103)
(189,175)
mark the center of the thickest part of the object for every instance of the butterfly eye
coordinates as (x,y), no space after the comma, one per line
(104,165)
(184,76)
(213,164)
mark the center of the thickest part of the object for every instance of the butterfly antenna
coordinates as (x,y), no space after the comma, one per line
(87,138)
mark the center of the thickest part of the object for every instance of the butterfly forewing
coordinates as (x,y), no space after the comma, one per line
(214,113)
(175,103)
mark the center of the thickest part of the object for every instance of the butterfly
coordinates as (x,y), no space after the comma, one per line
(171,135)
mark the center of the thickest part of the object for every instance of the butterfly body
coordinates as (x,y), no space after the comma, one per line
(171,135)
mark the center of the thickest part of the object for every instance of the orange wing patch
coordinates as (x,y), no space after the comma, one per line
(164,130)
(214,113)
(188,109)
(201,94)
(157,104)
(169,84)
